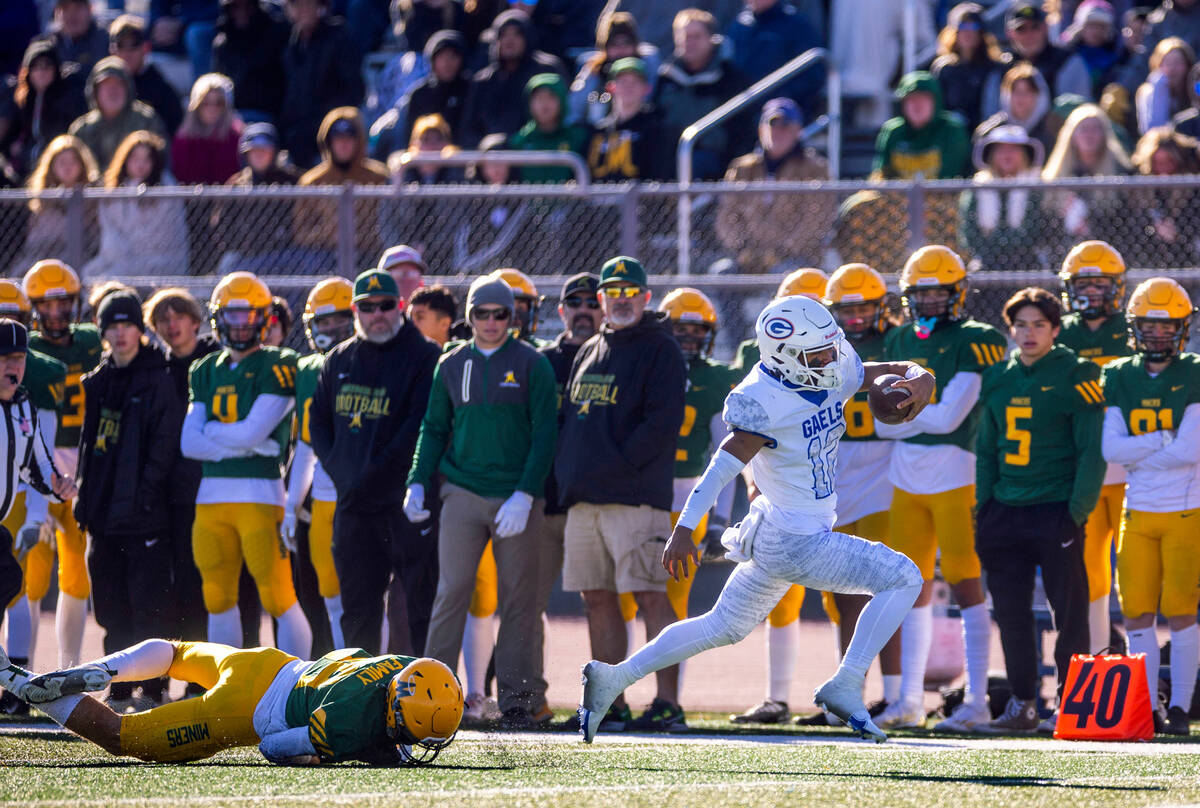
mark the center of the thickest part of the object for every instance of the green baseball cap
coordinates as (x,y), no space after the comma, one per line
(628,64)
(623,269)
(375,282)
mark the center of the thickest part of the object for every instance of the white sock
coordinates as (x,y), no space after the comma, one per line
(1098,625)
(977,643)
(1145,641)
(876,624)
(35,623)
(673,644)
(148,659)
(479,640)
(226,627)
(293,635)
(679,677)
(891,687)
(333,608)
(385,633)
(1185,659)
(782,651)
(916,637)
(69,621)
(631,635)
(20,630)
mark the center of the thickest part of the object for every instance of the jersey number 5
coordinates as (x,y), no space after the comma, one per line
(1014,433)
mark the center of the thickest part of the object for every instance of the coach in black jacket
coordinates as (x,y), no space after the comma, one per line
(364,419)
(127,452)
(615,470)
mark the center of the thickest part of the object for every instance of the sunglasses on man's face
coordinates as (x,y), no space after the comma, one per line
(578,302)
(370,307)
(490,314)
(622,291)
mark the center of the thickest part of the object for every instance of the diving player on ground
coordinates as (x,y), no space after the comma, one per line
(786,419)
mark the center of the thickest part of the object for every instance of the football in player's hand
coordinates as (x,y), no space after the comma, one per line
(885,399)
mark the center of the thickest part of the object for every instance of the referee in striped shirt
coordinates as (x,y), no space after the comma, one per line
(23,451)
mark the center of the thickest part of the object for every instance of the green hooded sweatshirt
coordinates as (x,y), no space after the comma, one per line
(564,138)
(104,136)
(939,150)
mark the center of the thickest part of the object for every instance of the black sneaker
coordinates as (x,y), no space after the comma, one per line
(814,720)
(11,705)
(877,707)
(517,719)
(1178,722)
(660,716)
(617,719)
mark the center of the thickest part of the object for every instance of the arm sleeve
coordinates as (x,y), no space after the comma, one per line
(278,747)
(662,409)
(543,412)
(195,444)
(300,478)
(1118,446)
(987,470)
(434,434)
(1086,426)
(1184,450)
(721,471)
(958,399)
(265,414)
(723,510)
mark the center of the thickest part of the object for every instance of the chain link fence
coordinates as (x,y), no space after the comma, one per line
(741,240)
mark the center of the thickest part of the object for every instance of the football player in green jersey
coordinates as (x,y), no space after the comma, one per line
(347,705)
(238,424)
(27,522)
(1038,476)
(1093,278)
(328,319)
(525,322)
(1152,428)
(694,322)
(933,474)
(53,289)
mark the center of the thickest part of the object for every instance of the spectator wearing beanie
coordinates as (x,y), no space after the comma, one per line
(205,150)
(546,129)
(249,49)
(128,40)
(115,113)
(127,453)
(48,97)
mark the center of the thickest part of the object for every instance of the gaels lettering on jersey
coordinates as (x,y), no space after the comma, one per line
(823,420)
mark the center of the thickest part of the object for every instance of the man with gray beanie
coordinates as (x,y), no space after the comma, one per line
(489,431)
(128,452)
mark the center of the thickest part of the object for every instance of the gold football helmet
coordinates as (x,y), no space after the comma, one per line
(1159,300)
(856,285)
(240,308)
(329,313)
(53,280)
(807,281)
(527,298)
(934,267)
(1086,262)
(691,306)
(425,707)
(13,303)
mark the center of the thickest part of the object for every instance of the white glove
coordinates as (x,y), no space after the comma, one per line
(1168,436)
(513,515)
(288,529)
(414,503)
(268,448)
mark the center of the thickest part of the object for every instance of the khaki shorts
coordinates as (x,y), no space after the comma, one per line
(617,548)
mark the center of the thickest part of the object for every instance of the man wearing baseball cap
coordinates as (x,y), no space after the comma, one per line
(364,419)
(622,409)
(627,144)
(407,266)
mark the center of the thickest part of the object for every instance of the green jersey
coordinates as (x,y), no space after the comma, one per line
(44,381)
(81,354)
(308,368)
(747,355)
(1108,342)
(967,346)
(860,424)
(1152,404)
(1039,433)
(342,699)
(709,381)
(228,393)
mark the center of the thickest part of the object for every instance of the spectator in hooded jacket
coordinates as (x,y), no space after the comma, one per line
(321,71)
(768,34)
(496,102)
(692,84)
(1024,101)
(627,144)
(416,23)
(1094,37)
(443,92)
(249,49)
(68,164)
(115,111)
(925,139)
(546,100)
(1165,93)
(967,56)
(616,39)
(127,39)
(205,150)
(1029,40)
(48,97)
(76,35)
(1187,122)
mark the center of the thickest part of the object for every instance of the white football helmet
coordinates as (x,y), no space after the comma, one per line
(791,332)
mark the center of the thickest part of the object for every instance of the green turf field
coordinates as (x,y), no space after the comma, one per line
(734,767)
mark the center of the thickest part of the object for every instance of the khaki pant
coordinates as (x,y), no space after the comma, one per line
(466,525)
(617,548)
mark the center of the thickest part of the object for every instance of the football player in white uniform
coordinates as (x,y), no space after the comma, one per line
(786,418)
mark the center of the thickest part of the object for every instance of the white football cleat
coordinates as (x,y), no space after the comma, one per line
(600,689)
(481,709)
(902,716)
(844,700)
(56,684)
(971,716)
